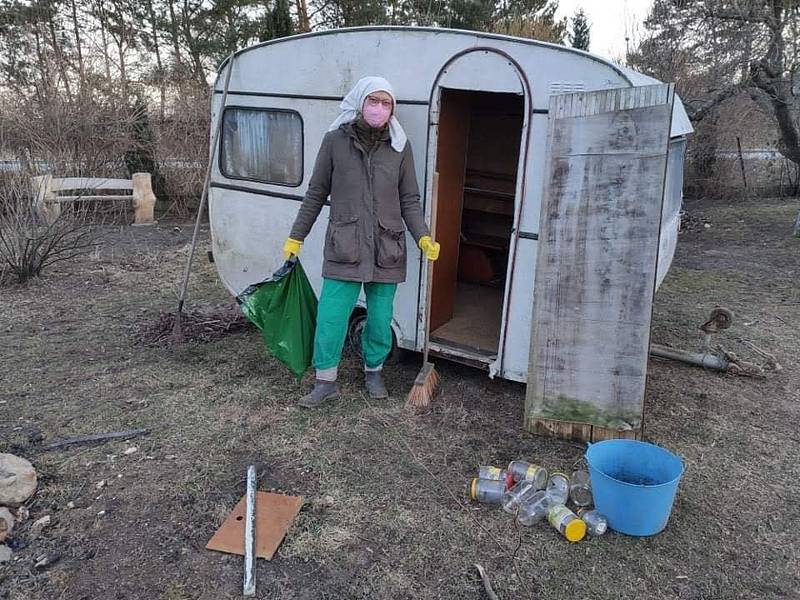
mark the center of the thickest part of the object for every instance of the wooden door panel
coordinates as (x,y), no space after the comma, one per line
(451,159)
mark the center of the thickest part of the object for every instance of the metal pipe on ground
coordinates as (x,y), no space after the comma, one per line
(249,588)
(706,360)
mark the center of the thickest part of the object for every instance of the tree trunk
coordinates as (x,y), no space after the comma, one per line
(303,25)
(161,79)
(59,57)
(769,75)
(44,72)
(790,137)
(194,51)
(78,47)
(101,13)
(123,73)
(797,226)
(176,47)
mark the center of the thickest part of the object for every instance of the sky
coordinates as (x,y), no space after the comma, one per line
(609,20)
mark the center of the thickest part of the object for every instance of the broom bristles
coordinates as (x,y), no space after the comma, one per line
(424,389)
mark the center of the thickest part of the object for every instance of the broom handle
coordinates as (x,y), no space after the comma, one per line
(429,288)
(206,181)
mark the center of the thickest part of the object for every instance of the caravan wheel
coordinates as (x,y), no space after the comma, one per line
(355,330)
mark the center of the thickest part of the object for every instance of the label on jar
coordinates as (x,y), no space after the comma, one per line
(492,473)
(531,472)
(559,516)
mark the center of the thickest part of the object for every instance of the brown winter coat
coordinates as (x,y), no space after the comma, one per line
(371,194)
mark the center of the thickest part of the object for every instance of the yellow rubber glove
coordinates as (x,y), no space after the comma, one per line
(429,247)
(291,248)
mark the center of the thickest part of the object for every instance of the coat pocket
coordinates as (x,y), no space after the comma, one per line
(391,247)
(342,241)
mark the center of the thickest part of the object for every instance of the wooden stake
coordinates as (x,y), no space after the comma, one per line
(741,162)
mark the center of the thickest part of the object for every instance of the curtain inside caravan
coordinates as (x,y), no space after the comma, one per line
(262,145)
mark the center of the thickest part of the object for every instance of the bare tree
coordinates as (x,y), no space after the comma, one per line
(728,47)
(28,245)
(190,10)
(76,29)
(101,15)
(49,11)
(160,74)
(121,28)
(174,35)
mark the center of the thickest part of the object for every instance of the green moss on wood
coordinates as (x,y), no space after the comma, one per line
(564,408)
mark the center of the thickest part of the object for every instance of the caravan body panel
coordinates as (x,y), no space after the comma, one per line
(309,74)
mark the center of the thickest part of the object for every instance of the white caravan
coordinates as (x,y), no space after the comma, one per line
(475,108)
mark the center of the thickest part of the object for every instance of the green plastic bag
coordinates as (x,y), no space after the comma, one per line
(284,308)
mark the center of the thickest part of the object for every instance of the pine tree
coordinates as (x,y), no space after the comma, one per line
(281,19)
(579,36)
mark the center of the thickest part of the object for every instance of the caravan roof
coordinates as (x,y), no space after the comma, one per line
(320,64)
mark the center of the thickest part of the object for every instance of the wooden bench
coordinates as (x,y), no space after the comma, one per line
(48,200)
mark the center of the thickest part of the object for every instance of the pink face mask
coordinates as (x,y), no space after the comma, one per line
(376,112)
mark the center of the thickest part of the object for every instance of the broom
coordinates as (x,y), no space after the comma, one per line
(427,381)
(177,330)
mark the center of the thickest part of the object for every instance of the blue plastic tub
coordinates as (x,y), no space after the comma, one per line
(634,484)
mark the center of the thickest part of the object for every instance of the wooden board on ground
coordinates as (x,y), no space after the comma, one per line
(274,515)
(596,267)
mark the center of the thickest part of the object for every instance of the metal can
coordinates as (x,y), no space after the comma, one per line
(488,491)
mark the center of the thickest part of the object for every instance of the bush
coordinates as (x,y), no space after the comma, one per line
(28,244)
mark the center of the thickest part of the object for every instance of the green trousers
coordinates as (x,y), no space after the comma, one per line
(336,304)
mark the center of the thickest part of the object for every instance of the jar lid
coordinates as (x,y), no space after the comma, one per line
(575,530)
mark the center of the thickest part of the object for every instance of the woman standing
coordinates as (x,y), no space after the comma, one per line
(366,167)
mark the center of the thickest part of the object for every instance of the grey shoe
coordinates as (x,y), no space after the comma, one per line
(373,381)
(323,390)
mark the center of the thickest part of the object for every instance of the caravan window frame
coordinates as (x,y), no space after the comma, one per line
(220,155)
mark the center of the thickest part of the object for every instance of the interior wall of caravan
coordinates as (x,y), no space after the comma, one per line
(477,159)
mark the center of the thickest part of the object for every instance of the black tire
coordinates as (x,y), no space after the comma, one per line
(354,330)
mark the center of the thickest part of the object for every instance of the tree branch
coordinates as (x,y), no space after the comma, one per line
(699,110)
(750,17)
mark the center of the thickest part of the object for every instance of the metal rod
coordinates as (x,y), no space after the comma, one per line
(429,265)
(206,181)
(250,535)
(706,360)
(97,437)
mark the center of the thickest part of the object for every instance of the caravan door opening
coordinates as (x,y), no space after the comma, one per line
(477,156)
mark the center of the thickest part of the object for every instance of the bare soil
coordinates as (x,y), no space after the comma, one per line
(386,513)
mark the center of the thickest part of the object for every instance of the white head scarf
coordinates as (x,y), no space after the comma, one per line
(354,101)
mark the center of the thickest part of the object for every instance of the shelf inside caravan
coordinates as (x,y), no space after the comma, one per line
(477,157)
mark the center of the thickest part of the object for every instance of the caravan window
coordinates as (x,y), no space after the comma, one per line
(263,145)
